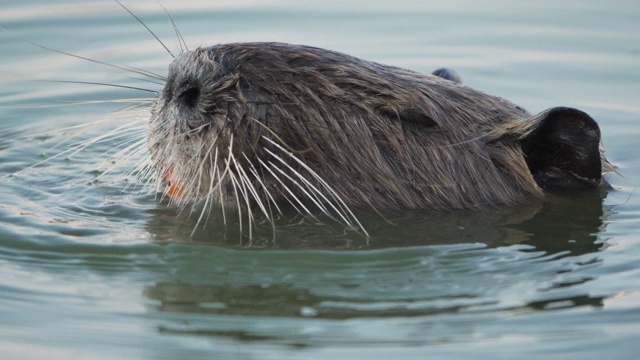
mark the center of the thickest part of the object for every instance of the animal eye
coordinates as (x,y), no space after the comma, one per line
(190,96)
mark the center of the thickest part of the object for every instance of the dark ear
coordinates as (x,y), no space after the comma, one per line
(562,151)
(448,74)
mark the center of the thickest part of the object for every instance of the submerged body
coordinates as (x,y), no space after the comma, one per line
(263,124)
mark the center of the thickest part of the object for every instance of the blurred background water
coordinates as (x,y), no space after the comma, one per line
(95,267)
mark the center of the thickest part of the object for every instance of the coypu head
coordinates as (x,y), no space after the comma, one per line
(259,125)
(192,127)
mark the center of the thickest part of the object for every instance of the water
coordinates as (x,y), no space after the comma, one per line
(94,267)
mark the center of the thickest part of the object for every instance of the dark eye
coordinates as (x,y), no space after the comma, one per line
(190,96)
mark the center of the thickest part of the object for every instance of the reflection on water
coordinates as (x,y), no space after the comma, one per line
(445,281)
(570,224)
(537,224)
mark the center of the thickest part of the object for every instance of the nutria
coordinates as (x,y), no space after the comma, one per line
(259,125)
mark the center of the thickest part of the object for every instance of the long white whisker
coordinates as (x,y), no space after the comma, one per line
(315,190)
(254,171)
(120,67)
(124,154)
(296,183)
(245,195)
(207,203)
(300,203)
(200,168)
(146,27)
(333,193)
(251,188)
(210,194)
(264,166)
(139,166)
(235,191)
(192,180)
(105,84)
(270,199)
(306,182)
(224,215)
(136,101)
(175,27)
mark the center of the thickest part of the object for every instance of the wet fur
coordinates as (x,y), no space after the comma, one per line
(245,125)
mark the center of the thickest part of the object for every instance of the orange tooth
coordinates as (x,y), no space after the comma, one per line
(174,188)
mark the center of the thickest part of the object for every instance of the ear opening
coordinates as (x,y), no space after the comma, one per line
(563,150)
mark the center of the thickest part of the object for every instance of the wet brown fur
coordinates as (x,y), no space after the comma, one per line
(381,136)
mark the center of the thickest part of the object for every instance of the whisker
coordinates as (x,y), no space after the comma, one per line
(128,138)
(216,186)
(270,217)
(251,218)
(129,152)
(146,171)
(125,68)
(210,195)
(137,101)
(175,27)
(309,196)
(139,169)
(235,191)
(333,193)
(104,84)
(245,195)
(193,180)
(73,127)
(300,203)
(282,194)
(132,107)
(99,139)
(200,172)
(224,215)
(314,189)
(251,188)
(124,151)
(146,27)
(120,67)
(273,134)
(264,187)
(147,73)
(146,80)
(72,150)
(204,207)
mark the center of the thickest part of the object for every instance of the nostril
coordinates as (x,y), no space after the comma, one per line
(190,96)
